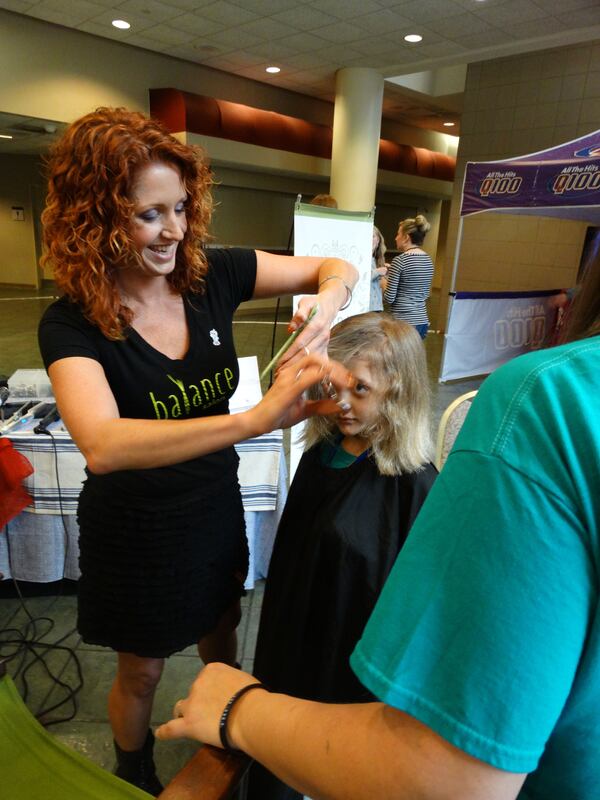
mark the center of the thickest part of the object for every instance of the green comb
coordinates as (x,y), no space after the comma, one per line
(289,342)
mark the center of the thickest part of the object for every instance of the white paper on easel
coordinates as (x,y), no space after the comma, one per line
(331,233)
(248,392)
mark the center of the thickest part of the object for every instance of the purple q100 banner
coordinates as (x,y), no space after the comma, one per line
(563,176)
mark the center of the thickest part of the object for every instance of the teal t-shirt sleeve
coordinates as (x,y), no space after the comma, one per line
(480,627)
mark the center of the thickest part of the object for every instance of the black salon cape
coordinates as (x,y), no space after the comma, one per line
(338,538)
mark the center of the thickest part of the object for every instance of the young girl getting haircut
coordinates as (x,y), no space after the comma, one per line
(357,490)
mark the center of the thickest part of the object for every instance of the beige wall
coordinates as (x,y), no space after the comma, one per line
(514,106)
(19,177)
(510,252)
(440,261)
(252,209)
(255,209)
(56,73)
(270,161)
(419,137)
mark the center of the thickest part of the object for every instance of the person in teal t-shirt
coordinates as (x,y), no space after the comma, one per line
(484,646)
(502,596)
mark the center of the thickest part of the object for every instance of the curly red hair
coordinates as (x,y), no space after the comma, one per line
(87,220)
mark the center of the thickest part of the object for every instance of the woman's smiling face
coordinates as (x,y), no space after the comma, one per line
(159,221)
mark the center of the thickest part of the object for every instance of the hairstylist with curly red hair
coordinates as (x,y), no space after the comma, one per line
(141,358)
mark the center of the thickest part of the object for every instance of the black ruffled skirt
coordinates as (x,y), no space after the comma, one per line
(156,576)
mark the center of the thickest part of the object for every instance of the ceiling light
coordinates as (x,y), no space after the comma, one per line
(120,23)
(449,124)
(5,136)
(413,37)
(273,70)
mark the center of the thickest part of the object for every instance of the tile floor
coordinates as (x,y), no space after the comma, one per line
(88,731)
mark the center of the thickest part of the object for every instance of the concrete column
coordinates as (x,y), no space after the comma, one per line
(356,129)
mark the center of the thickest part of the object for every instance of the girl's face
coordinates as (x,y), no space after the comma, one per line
(159,222)
(364,399)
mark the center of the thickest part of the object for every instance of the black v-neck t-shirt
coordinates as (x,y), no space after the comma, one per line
(149,385)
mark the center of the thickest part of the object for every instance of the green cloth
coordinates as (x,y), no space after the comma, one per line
(36,766)
(488,628)
(335,456)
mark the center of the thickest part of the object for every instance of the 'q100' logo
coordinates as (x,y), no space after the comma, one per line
(500,185)
(576,182)
(520,332)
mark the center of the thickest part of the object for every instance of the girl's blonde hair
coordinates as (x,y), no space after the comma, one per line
(416,228)
(379,251)
(400,440)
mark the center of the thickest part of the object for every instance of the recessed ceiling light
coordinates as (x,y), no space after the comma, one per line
(413,37)
(449,124)
(273,70)
(5,136)
(120,23)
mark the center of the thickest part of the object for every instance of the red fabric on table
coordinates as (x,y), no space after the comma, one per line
(14,467)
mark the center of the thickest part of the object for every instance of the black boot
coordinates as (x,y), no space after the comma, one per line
(137,767)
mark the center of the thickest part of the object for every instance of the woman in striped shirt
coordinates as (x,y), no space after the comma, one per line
(408,282)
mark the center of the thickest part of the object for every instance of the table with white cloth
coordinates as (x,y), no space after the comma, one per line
(41,544)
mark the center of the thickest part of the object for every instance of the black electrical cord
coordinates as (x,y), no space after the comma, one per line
(28,646)
(27,643)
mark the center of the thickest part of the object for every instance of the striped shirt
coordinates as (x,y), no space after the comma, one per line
(409,279)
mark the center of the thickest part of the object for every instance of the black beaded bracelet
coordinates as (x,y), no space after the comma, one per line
(227,710)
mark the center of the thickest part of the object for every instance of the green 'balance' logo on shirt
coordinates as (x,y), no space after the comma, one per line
(208,392)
